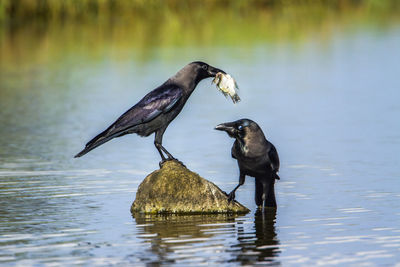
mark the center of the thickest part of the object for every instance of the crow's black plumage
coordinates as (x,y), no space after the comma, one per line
(154,112)
(256,157)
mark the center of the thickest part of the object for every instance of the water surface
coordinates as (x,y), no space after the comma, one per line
(331,109)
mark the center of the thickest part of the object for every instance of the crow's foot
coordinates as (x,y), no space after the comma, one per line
(231,196)
(168,159)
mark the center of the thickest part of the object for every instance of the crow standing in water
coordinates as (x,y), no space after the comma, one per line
(256,157)
(157,109)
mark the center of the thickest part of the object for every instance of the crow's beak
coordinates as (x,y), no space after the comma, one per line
(227,127)
(213,71)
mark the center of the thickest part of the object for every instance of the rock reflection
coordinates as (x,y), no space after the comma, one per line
(180,238)
(208,239)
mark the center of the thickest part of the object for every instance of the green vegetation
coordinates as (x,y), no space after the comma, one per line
(36,30)
(62,9)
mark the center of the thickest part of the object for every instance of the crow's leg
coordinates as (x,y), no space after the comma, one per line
(265,193)
(157,142)
(170,157)
(166,152)
(161,149)
(231,195)
(271,201)
(258,191)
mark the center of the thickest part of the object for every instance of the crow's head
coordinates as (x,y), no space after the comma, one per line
(249,137)
(203,70)
(239,129)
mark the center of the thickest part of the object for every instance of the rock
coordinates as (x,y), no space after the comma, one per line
(176,189)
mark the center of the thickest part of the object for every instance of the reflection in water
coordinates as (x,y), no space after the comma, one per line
(176,238)
(58,80)
(209,238)
(260,245)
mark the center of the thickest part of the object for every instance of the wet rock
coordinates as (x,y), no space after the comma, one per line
(176,189)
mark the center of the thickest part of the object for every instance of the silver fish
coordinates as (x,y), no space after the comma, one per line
(227,85)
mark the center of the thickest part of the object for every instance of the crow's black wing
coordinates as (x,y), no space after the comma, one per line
(234,149)
(158,101)
(274,159)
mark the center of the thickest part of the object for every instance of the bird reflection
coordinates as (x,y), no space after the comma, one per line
(208,239)
(259,244)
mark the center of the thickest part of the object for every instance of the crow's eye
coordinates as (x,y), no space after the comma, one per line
(240,127)
(204,67)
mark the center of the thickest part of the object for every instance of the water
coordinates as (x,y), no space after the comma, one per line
(331,109)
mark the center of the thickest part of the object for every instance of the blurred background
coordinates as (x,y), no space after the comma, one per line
(49,31)
(320,77)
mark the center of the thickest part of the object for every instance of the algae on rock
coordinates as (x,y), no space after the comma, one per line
(176,189)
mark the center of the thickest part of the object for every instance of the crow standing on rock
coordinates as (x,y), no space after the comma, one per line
(157,109)
(256,157)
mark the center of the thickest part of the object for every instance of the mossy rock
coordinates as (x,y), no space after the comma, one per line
(176,189)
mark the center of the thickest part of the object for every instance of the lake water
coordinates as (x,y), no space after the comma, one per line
(331,107)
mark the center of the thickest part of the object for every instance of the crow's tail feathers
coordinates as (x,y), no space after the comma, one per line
(95,142)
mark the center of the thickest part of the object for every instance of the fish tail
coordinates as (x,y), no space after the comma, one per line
(236,98)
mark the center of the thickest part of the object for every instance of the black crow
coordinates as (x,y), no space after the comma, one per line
(154,112)
(256,157)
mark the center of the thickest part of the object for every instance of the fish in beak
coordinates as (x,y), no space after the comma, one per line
(214,71)
(227,85)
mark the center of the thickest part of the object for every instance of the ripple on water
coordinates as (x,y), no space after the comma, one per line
(337,197)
